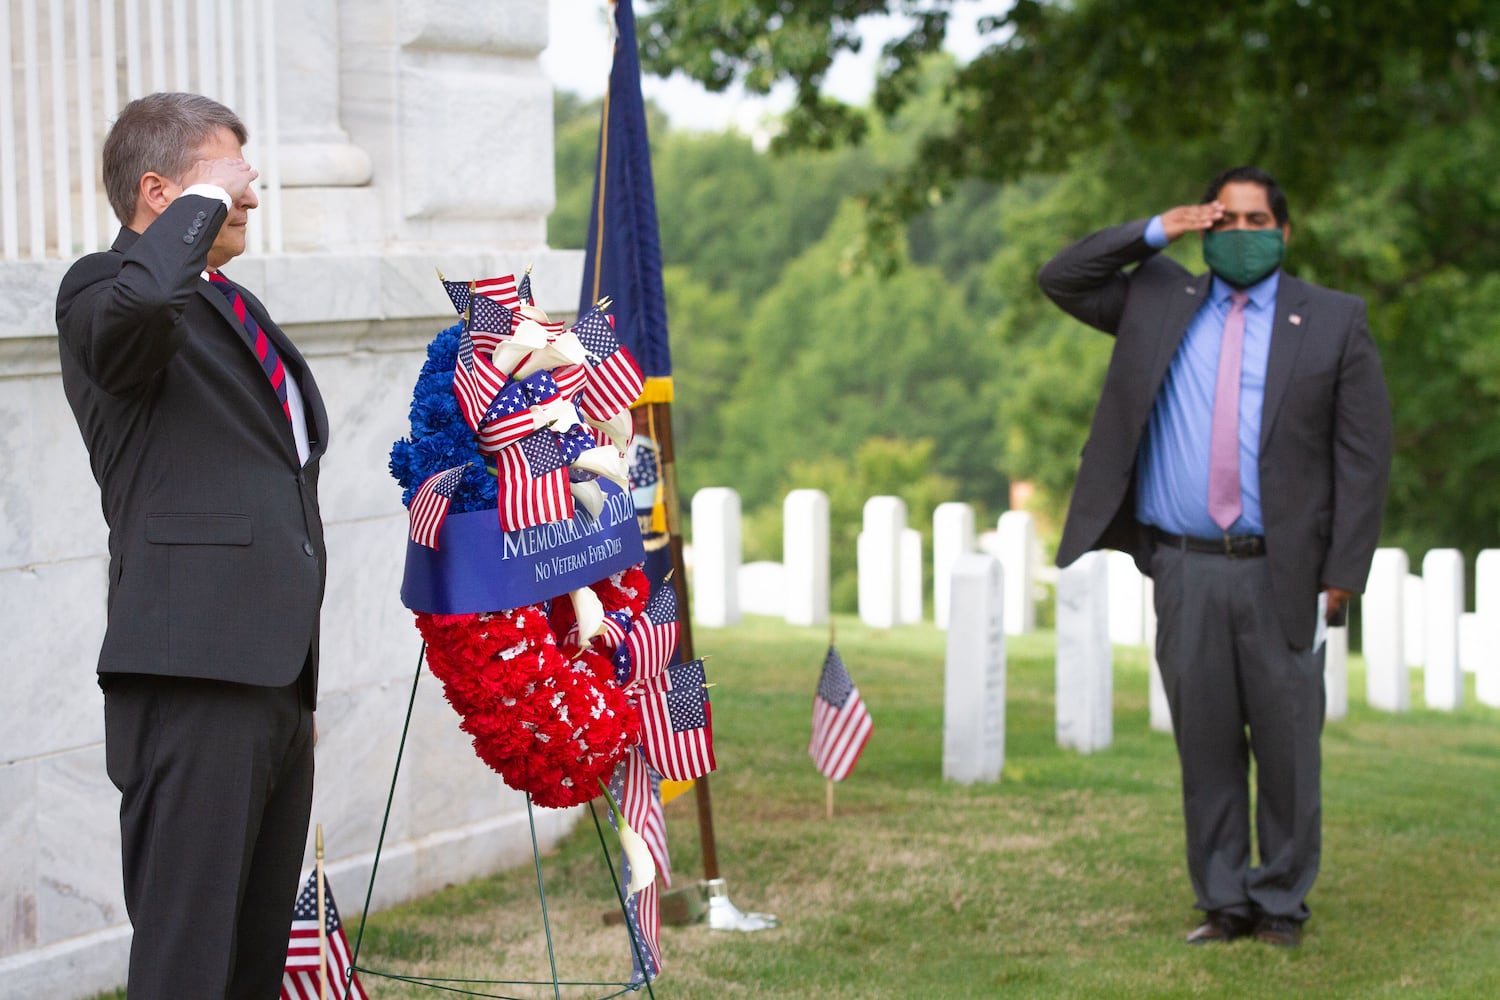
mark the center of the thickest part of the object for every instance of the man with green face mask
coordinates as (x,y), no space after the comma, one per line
(1240,452)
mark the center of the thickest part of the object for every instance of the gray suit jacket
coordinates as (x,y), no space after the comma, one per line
(1325,448)
(216,550)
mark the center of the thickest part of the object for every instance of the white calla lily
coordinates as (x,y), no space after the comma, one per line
(605,461)
(590,613)
(619,428)
(642,865)
(589,495)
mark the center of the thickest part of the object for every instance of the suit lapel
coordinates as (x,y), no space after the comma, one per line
(1179,312)
(1287,332)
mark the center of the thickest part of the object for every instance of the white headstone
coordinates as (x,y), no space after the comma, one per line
(1016,539)
(974,672)
(880,561)
(1127,600)
(1415,609)
(1443,596)
(1336,673)
(1470,642)
(911,576)
(1382,633)
(804,554)
(1487,619)
(763,588)
(1085,661)
(952,536)
(716,556)
(1161,709)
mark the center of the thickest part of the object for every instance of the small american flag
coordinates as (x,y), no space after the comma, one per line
(429,505)
(637,790)
(615,380)
(677,723)
(300,981)
(458,294)
(653,635)
(523,292)
(840,723)
(509,418)
(533,482)
(489,323)
(502,289)
(476,382)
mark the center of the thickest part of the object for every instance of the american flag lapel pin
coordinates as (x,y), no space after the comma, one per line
(1295,319)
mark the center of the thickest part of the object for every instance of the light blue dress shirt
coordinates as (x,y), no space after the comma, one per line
(1172,465)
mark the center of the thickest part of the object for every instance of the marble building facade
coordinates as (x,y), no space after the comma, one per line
(396,128)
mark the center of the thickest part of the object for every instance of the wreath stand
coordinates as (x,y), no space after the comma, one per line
(467,986)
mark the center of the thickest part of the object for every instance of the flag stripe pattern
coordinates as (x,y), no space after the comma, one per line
(533,483)
(615,380)
(300,980)
(642,808)
(429,505)
(653,634)
(841,724)
(642,909)
(476,382)
(677,723)
(509,417)
(502,289)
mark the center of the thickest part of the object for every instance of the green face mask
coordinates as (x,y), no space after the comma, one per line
(1243,256)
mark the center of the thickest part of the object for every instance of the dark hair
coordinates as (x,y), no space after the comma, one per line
(159,133)
(1252,175)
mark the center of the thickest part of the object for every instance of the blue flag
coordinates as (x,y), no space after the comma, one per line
(623,252)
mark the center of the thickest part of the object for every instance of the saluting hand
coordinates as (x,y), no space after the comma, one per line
(1190,218)
(230,173)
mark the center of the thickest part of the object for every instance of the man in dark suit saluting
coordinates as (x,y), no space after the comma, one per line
(204,429)
(1240,452)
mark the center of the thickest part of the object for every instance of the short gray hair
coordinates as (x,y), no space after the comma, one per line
(159,133)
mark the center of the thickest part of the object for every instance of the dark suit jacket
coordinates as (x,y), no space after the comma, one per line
(1325,447)
(216,548)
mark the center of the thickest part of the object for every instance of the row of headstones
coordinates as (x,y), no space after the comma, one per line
(1102,601)
(890,559)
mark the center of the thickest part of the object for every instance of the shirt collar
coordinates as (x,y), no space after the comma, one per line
(1262,293)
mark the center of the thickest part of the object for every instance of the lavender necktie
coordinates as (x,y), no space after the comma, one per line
(1224,438)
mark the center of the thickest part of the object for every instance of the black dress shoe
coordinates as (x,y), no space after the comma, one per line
(1283,932)
(1220,925)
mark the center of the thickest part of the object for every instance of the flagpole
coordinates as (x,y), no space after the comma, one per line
(322,918)
(659,422)
(828,801)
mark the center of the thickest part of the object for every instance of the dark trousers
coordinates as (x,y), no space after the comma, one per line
(1236,689)
(216,789)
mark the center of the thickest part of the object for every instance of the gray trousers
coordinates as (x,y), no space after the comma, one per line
(1237,690)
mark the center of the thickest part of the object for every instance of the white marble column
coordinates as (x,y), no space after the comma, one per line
(1443,601)
(974,672)
(804,553)
(880,561)
(1016,538)
(1487,622)
(952,536)
(1382,635)
(1085,660)
(716,556)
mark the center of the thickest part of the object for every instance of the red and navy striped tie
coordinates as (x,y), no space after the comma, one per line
(264,349)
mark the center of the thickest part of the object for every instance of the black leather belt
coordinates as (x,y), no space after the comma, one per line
(1233,546)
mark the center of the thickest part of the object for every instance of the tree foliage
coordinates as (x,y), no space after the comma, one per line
(1380,121)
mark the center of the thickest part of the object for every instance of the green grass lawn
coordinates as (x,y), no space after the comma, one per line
(1064,879)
